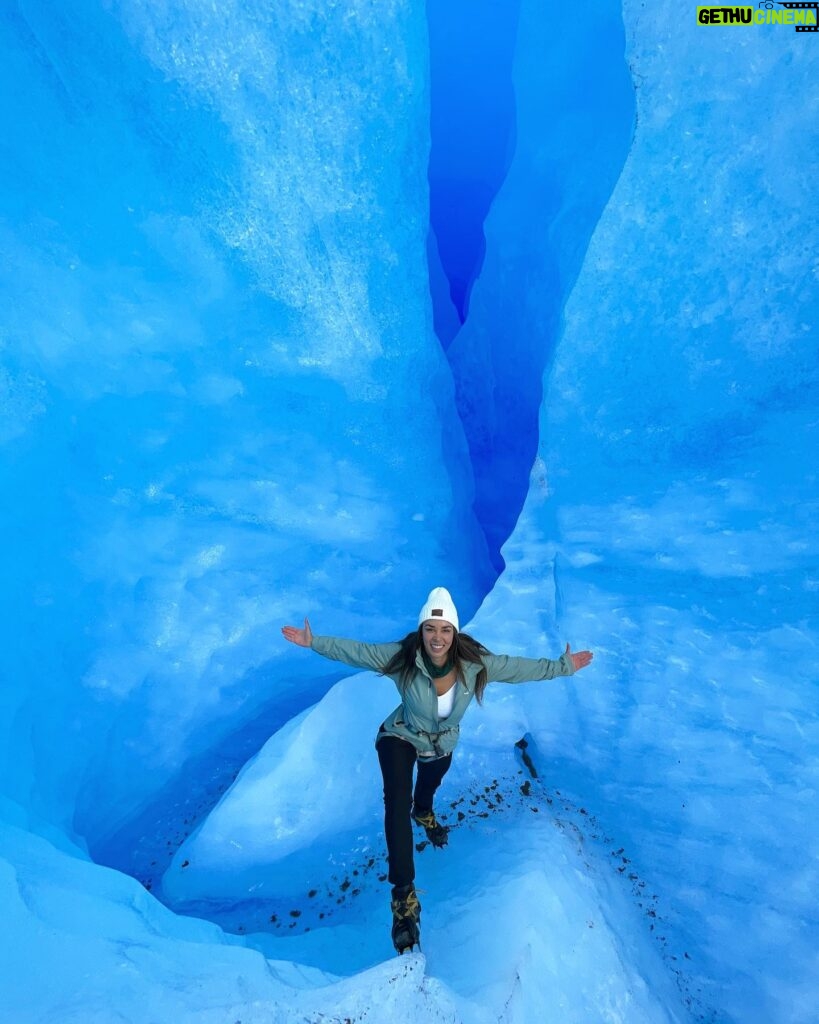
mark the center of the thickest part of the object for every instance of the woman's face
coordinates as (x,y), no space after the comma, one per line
(437,637)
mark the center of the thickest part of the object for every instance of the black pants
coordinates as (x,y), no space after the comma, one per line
(397,759)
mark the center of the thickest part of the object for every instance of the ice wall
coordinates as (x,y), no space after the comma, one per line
(472,49)
(573,122)
(673,506)
(224,405)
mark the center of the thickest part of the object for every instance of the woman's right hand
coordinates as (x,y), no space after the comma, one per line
(302,637)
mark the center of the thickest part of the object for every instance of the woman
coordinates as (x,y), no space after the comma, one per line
(438,671)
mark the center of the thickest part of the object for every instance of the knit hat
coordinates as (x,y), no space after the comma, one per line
(439,605)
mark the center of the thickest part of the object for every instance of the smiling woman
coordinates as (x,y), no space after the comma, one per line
(437,638)
(438,670)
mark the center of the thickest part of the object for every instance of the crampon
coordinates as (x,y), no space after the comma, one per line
(406,919)
(437,834)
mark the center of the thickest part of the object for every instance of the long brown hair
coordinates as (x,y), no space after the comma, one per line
(464,648)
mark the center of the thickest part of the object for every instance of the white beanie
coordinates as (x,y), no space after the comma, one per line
(439,606)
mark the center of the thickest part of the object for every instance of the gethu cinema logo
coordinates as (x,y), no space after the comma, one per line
(802,15)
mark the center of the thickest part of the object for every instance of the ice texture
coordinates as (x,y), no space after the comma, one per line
(107,951)
(314,782)
(675,501)
(573,122)
(226,405)
(223,405)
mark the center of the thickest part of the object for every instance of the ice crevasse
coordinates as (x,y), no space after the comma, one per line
(277,339)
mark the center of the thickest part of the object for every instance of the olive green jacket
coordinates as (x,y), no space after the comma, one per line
(416,717)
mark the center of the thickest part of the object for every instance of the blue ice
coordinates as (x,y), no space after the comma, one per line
(307,308)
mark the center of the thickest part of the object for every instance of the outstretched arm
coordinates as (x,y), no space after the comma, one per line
(302,637)
(350,652)
(505,669)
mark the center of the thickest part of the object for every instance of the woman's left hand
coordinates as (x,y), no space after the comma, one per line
(579,660)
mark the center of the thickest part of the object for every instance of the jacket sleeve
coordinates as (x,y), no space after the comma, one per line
(502,668)
(354,653)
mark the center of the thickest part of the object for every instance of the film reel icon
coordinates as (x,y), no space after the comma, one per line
(795,5)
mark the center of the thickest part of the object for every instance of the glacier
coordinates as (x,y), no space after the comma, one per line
(289,327)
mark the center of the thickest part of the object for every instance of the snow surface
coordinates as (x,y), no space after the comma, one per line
(223,406)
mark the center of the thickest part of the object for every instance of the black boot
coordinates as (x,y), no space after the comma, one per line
(406,918)
(436,832)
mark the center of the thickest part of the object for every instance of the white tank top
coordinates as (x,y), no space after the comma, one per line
(446,702)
